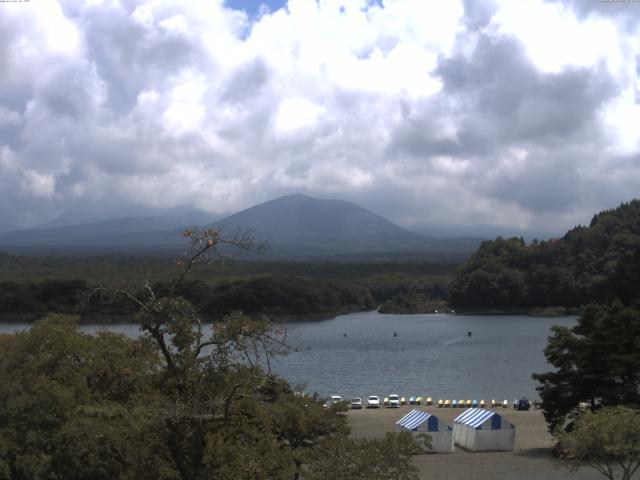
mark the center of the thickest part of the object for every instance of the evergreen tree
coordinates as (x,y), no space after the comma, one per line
(597,361)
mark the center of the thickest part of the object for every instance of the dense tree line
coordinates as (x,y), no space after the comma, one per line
(278,296)
(589,264)
(263,295)
(115,270)
(408,298)
(275,296)
(36,298)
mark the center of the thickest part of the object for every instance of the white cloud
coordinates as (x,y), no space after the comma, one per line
(622,117)
(186,110)
(38,184)
(556,38)
(169,102)
(295,113)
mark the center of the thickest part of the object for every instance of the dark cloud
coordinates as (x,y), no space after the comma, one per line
(246,82)
(546,125)
(477,15)
(502,90)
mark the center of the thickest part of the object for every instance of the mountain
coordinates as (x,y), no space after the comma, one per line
(295,226)
(121,235)
(155,217)
(316,226)
(300,226)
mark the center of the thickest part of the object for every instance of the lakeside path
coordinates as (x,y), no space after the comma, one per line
(531,459)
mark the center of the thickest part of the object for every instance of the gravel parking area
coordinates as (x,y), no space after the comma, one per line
(531,459)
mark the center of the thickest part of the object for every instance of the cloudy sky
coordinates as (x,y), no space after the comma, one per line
(519,115)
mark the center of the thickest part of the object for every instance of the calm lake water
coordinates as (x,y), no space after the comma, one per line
(432,355)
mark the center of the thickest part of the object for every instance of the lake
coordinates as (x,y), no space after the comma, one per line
(432,355)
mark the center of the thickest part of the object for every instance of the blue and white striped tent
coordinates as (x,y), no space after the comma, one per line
(479,429)
(417,421)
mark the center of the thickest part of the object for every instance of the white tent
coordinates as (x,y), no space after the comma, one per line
(417,421)
(480,430)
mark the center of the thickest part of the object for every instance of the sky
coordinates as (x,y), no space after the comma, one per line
(457,115)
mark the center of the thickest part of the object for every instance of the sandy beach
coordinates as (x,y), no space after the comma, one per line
(531,459)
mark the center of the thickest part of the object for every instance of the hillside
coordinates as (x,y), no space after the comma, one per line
(295,226)
(130,234)
(303,226)
(588,264)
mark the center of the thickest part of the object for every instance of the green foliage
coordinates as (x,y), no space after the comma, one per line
(370,459)
(106,406)
(597,361)
(173,404)
(72,405)
(401,288)
(589,264)
(607,440)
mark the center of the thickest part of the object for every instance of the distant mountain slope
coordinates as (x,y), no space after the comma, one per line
(588,264)
(317,226)
(131,234)
(295,226)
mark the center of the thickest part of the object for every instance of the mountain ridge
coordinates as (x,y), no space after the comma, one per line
(296,226)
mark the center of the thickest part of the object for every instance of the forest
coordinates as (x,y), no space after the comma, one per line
(587,265)
(33,286)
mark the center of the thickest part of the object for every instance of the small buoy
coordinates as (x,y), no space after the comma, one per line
(469,334)
(395,334)
(345,334)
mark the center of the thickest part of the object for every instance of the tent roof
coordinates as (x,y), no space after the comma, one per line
(474,417)
(413,419)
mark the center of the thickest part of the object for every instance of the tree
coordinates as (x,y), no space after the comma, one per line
(607,440)
(597,361)
(369,459)
(78,406)
(174,404)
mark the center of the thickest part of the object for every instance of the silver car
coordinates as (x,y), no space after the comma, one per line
(394,401)
(373,401)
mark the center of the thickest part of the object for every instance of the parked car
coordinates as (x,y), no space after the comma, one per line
(523,404)
(394,401)
(356,403)
(333,399)
(373,401)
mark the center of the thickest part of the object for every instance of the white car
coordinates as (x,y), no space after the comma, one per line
(356,403)
(332,399)
(394,401)
(373,401)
